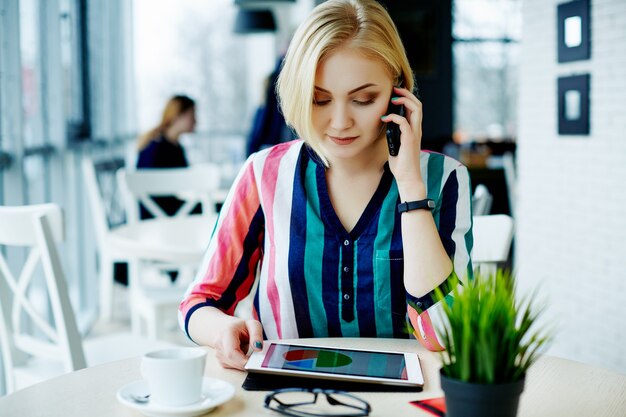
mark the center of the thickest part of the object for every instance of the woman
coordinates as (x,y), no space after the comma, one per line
(319,217)
(160,147)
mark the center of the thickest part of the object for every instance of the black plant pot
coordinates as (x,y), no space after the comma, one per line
(465,399)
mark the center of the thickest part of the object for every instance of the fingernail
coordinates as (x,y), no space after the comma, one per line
(395,98)
(383,117)
(258,345)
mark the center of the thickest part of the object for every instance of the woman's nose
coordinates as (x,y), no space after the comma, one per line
(340,118)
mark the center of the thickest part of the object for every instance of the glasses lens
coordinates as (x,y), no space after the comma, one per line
(345,400)
(347,404)
(328,403)
(294,398)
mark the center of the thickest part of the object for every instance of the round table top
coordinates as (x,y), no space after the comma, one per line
(171,239)
(554,387)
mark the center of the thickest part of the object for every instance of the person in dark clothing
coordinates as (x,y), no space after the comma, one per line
(160,147)
(269,127)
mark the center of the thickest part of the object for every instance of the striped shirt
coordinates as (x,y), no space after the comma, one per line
(315,279)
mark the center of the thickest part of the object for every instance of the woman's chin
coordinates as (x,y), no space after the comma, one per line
(334,151)
(355,148)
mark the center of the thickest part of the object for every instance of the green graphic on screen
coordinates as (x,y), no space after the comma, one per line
(311,359)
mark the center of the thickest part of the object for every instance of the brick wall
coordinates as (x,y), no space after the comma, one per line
(571,230)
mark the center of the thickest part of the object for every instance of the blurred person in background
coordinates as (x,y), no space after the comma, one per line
(160,147)
(269,127)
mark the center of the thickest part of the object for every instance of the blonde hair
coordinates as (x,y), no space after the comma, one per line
(364,25)
(174,108)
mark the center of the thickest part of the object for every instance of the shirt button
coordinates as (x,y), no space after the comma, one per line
(346,296)
(346,269)
(419,304)
(346,242)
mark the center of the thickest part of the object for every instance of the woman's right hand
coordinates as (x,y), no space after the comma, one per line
(231,337)
(232,345)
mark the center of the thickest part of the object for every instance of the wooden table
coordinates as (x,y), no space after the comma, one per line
(554,387)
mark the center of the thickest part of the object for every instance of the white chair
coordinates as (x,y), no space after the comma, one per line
(492,242)
(40,341)
(194,185)
(108,253)
(481,201)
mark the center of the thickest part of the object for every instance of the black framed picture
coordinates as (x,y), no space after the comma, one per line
(573,31)
(573,99)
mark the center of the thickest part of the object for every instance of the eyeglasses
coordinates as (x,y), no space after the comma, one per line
(302,402)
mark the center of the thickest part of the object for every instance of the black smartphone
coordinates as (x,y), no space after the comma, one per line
(393,130)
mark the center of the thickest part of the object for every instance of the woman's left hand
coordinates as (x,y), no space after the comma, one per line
(406,165)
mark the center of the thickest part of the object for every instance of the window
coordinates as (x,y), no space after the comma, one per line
(486,57)
(189,47)
(30,51)
(74,108)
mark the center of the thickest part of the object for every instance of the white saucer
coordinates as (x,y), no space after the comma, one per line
(214,391)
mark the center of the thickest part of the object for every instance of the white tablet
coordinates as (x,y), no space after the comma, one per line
(361,365)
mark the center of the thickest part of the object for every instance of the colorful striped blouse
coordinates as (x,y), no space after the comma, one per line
(315,279)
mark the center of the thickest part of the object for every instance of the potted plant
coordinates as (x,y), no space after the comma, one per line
(490,343)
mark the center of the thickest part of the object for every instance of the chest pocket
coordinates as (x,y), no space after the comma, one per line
(388,268)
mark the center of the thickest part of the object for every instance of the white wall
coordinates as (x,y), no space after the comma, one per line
(571,237)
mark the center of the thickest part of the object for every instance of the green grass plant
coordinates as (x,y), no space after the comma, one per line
(490,337)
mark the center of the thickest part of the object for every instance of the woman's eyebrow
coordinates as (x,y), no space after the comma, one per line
(349,92)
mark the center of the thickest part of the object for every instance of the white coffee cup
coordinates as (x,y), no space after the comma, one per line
(174,375)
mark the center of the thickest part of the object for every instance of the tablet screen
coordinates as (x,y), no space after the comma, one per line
(336,361)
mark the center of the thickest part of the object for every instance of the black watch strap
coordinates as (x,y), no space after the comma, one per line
(427,204)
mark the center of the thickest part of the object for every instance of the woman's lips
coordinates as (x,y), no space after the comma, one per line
(343,140)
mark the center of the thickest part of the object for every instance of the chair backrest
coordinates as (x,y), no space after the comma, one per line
(481,201)
(193,185)
(510,176)
(96,202)
(492,241)
(37,227)
(103,193)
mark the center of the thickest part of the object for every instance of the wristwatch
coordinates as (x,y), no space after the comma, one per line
(427,204)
